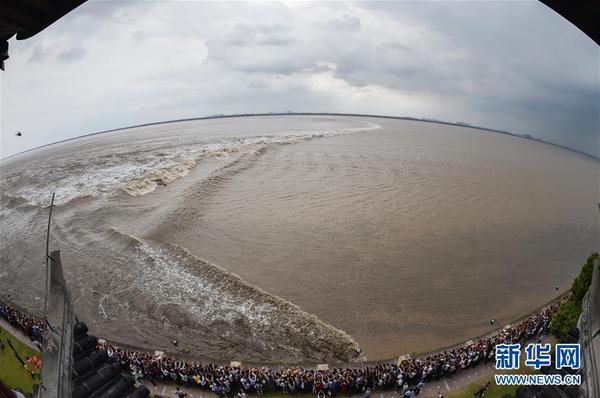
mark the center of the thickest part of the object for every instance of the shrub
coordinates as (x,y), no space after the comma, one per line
(568,314)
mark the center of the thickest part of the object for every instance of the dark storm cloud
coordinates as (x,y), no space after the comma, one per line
(567,114)
(517,62)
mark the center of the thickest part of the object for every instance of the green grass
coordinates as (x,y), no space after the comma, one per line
(12,372)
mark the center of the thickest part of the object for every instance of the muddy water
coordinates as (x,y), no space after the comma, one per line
(397,236)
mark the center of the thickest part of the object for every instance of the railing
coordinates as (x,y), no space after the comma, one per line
(589,327)
(57,351)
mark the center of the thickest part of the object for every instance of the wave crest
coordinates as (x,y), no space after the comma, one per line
(183,292)
(138,169)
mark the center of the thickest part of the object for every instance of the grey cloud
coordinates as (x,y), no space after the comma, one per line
(396,46)
(141,34)
(275,68)
(405,71)
(93,15)
(257,49)
(38,54)
(511,65)
(276,41)
(343,23)
(275,28)
(56,50)
(245,34)
(258,84)
(70,54)
(319,67)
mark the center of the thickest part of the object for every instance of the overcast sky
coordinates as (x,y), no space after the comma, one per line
(517,66)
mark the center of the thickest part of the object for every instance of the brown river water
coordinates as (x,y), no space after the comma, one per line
(299,238)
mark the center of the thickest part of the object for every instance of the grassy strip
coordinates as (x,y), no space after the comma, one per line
(12,371)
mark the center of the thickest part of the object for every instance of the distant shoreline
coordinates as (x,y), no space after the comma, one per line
(240,115)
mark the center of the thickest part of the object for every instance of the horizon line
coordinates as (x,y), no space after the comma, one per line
(290,113)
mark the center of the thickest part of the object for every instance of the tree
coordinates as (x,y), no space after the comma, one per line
(568,314)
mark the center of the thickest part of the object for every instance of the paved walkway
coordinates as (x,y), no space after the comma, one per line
(17,334)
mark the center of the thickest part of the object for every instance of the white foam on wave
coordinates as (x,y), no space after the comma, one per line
(168,281)
(178,290)
(136,170)
(163,176)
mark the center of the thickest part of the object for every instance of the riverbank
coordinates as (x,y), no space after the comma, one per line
(498,328)
(452,368)
(460,386)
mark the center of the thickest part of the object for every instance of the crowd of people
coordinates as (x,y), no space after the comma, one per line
(407,377)
(31,327)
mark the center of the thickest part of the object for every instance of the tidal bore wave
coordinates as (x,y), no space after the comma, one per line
(348,227)
(136,169)
(130,283)
(190,295)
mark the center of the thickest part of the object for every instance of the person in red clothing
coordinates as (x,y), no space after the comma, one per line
(36,362)
(32,365)
(28,366)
